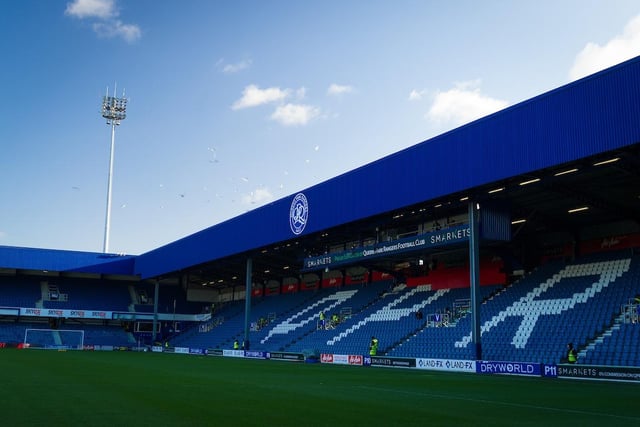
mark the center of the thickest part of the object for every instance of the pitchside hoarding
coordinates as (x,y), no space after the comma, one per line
(508,368)
(290,357)
(393,362)
(251,354)
(450,365)
(590,372)
(342,359)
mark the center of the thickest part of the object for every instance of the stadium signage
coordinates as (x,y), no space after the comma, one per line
(449,236)
(100,315)
(446,365)
(181,350)
(393,362)
(71,314)
(508,368)
(255,354)
(214,352)
(290,357)
(609,373)
(355,359)
(233,353)
(326,358)
(550,371)
(342,359)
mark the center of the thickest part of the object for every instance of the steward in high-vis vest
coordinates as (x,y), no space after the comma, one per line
(236,345)
(572,355)
(373,347)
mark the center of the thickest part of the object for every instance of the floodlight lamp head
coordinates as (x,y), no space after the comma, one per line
(114,109)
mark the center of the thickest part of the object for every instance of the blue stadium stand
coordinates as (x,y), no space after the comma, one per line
(583,297)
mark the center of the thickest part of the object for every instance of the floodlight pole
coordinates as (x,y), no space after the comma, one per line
(114,109)
(107,223)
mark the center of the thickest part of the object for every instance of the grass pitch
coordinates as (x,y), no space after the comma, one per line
(73,388)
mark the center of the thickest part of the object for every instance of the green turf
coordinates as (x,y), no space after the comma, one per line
(73,388)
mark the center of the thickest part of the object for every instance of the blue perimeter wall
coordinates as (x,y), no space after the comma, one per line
(593,115)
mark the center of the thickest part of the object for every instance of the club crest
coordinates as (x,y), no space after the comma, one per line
(299,213)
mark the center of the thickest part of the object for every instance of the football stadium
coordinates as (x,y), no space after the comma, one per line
(487,276)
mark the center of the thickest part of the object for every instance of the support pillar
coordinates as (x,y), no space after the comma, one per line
(247,303)
(474,271)
(156,293)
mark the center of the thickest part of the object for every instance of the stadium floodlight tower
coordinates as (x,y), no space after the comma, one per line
(114,109)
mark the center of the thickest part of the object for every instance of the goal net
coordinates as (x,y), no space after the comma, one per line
(54,338)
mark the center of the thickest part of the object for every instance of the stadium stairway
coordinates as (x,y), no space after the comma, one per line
(618,344)
(368,299)
(430,341)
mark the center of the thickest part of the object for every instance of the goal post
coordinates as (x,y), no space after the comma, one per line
(54,338)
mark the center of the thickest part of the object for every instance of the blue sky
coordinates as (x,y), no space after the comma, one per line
(233,104)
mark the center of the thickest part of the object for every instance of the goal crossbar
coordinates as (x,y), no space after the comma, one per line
(54,338)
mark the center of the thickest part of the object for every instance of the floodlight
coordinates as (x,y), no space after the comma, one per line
(114,109)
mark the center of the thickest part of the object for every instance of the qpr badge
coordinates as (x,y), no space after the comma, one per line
(298,214)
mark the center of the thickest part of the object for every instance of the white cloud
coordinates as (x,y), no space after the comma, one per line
(102,9)
(336,89)
(110,29)
(103,13)
(287,114)
(3,234)
(594,57)
(258,196)
(252,96)
(462,104)
(416,95)
(295,114)
(234,68)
